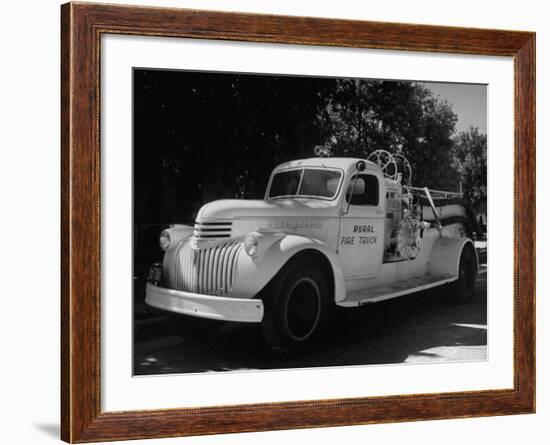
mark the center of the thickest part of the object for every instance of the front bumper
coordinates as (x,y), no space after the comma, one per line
(204,306)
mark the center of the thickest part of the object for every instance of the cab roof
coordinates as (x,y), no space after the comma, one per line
(340,163)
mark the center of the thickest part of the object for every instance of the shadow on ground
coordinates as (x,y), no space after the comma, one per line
(49,429)
(417,328)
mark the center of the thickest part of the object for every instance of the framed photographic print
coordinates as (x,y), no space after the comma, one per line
(276,222)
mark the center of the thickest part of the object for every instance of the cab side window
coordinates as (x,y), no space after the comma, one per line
(365,192)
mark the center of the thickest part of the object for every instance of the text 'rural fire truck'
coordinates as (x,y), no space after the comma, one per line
(329,231)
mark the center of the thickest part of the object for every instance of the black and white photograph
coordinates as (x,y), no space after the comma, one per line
(285,221)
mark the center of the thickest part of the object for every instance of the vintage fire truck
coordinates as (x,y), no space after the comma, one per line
(329,232)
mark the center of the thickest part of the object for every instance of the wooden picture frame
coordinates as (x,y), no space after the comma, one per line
(82,26)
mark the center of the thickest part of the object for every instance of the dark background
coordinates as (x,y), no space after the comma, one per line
(202,136)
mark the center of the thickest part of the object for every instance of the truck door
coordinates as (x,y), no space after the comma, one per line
(361,234)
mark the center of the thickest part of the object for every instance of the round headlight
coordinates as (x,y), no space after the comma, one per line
(251,244)
(164,240)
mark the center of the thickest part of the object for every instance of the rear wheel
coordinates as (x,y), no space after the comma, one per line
(462,290)
(296,304)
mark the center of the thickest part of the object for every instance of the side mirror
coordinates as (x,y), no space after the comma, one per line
(360,166)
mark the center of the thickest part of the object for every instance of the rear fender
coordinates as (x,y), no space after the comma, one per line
(445,255)
(254,273)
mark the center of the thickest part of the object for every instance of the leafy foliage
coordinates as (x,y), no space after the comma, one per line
(400,117)
(471,163)
(202,136)
(205,136)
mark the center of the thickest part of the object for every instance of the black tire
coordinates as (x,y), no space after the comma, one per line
(296,305)
(193,327)
(462,290)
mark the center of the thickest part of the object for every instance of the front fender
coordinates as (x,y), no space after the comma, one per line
(445,255)
(253,274)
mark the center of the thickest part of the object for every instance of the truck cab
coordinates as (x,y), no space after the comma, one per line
(345,204)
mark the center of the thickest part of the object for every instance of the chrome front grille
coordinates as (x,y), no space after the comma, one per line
(213,229)
(208,271)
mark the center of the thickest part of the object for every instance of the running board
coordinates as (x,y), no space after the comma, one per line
(388,291)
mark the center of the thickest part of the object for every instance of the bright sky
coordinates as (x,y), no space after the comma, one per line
(469,102)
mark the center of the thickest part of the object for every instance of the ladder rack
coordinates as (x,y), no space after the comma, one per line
(437,193)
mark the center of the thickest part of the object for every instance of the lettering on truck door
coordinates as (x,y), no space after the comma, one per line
(361,237)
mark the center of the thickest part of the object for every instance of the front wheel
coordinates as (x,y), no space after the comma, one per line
(296,304)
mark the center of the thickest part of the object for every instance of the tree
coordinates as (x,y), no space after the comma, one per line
(202,136)
(401,117)
(471,163)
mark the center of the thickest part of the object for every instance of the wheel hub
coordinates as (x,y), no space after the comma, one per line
(303,307)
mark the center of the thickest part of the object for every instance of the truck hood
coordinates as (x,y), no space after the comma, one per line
(244,208)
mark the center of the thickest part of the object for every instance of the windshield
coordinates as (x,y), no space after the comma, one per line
(305,182)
